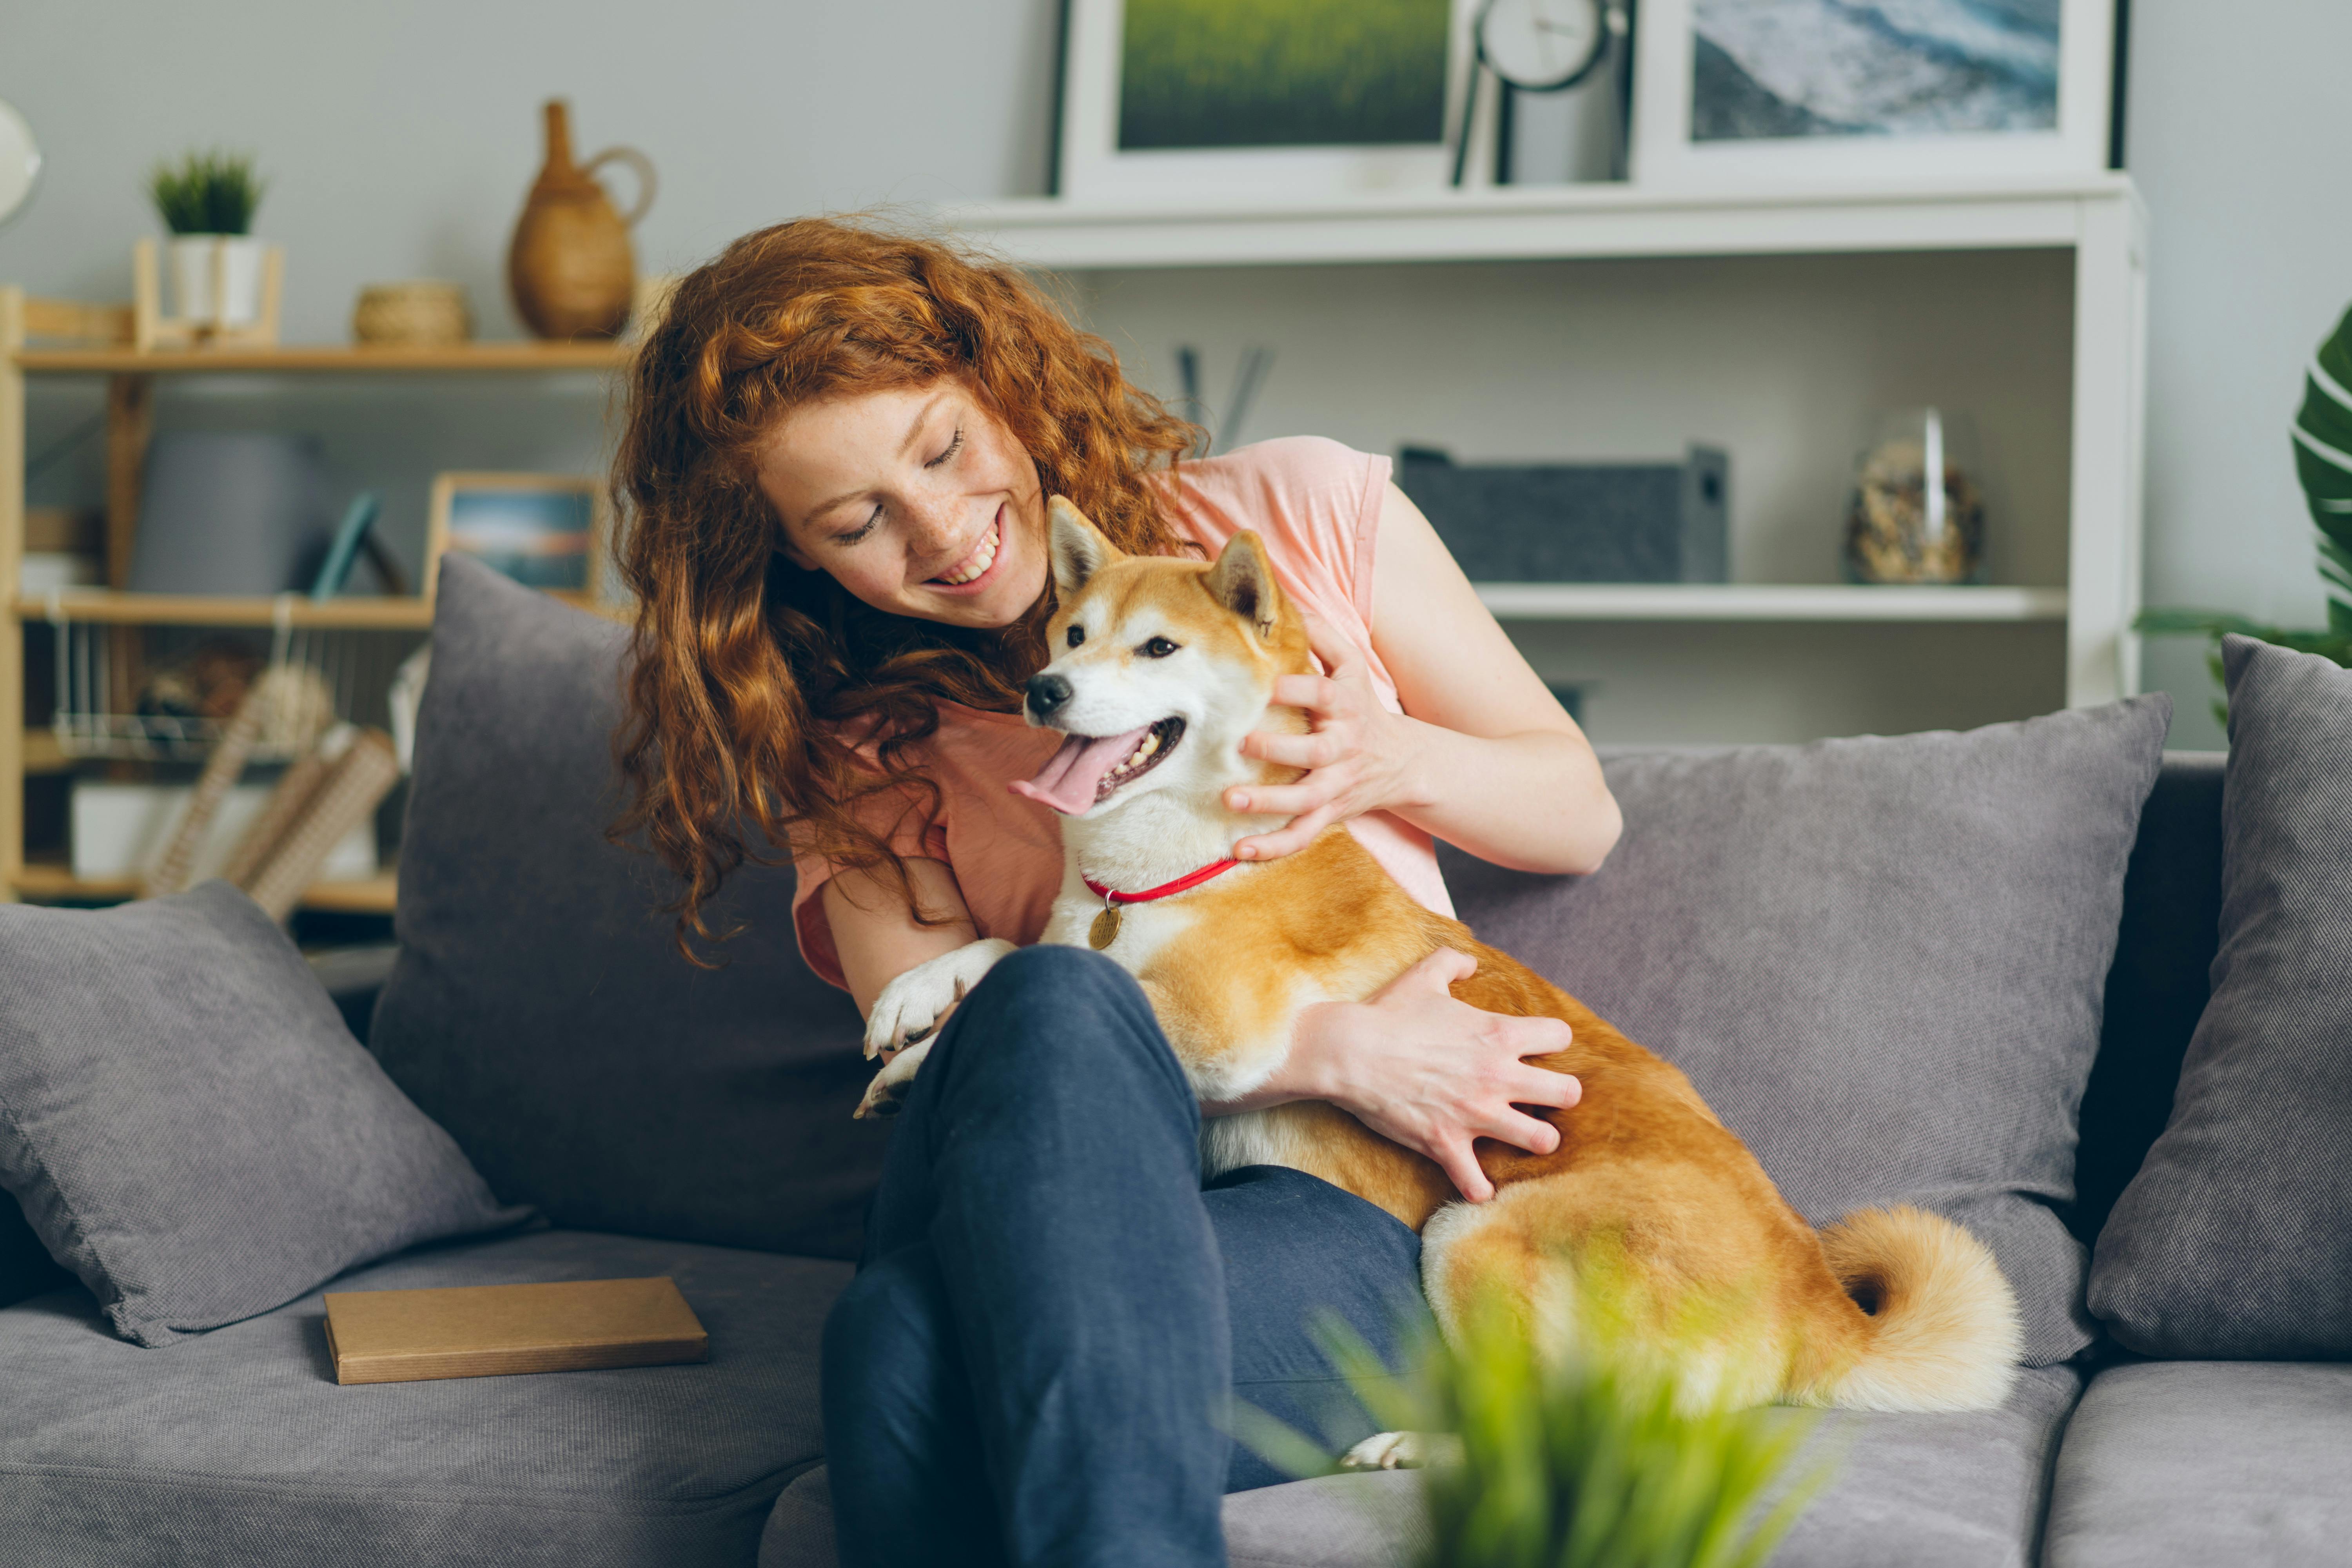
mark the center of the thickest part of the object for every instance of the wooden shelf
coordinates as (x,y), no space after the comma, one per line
(330,358)
(43,754)
(1766,602)
(375,895)
(357,614)
(1547,222)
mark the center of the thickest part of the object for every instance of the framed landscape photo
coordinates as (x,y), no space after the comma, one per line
(1271,100)
(544,530)
(1737,92)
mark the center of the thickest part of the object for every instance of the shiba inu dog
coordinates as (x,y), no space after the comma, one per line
(1161,667)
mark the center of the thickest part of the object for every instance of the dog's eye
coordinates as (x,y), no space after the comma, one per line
(1077,636)
(1157,647)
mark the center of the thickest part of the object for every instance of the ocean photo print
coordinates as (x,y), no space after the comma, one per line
(1766,69)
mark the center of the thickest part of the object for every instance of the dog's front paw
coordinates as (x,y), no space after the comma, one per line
(1403,1451)
(884,1095)
(918,999)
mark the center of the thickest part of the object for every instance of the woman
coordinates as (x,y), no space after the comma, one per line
(838,449)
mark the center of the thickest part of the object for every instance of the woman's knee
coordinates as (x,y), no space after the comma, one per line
(1059,1016)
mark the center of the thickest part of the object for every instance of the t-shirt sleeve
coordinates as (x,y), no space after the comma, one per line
(898,818)
(1319,504)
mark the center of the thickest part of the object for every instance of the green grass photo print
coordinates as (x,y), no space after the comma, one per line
(1282,73)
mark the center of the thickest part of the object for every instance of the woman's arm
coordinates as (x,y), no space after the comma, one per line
(1487,760)
(875,933)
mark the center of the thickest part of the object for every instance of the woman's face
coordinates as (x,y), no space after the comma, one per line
(919,501)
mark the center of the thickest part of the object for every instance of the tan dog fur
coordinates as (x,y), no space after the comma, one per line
(1642,1161)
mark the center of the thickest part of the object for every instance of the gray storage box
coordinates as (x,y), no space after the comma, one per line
(1578,523)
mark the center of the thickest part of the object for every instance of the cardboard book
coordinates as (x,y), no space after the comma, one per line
(489,1330)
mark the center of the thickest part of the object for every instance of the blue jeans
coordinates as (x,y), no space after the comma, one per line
(1033,1365)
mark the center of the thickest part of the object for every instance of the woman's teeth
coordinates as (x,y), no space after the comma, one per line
(983,556)
(1140,755)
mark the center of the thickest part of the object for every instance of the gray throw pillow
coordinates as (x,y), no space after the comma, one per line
(187,1123)
(2233,1241)
(1880,960)
(540,1010)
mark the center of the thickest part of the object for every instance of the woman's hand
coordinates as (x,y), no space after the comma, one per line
(1359,756)
(1432,1073)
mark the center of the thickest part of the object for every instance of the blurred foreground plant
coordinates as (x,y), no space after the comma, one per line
(206,193)
(1587,1448)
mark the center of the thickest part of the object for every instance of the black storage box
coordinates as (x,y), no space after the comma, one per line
(1578,523)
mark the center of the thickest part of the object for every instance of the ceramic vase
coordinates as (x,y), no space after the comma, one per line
(570,265)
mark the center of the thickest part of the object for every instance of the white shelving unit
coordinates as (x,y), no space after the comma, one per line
(1765,602)
(2097,219)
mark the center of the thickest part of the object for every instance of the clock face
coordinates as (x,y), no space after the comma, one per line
(20,161)
(1542,43)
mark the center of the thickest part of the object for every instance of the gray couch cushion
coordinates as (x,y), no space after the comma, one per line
(1928,1491)
(1880,960)
(187,1123)
(238,1450)
(540,1010)
(2190,1464)
(2231,1241)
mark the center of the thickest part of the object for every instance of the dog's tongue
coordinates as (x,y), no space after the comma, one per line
(1071,775)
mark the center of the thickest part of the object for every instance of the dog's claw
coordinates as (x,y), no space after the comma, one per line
(1403,1451)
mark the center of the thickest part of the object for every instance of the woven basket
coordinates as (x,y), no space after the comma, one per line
(416,313)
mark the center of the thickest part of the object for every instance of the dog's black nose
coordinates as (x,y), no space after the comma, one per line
(1047,693)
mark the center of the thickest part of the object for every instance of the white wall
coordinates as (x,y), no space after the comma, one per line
(400,141)
(2237,137)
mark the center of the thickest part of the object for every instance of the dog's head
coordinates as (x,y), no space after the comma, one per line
(1160,667)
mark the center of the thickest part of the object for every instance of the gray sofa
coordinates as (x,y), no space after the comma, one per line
(667,1119)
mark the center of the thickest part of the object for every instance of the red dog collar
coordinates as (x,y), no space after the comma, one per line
(1190,879)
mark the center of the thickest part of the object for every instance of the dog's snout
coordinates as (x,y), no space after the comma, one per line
(1047,693)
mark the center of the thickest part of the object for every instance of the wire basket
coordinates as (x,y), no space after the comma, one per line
(164,693)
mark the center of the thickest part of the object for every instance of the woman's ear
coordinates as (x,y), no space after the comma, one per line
(1243,582)
(1076,546)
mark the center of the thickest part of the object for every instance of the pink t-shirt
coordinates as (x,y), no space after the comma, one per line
(1317,505)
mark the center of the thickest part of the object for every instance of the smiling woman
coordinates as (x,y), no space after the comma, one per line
(838,445)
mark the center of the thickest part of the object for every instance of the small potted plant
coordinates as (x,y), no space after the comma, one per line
(207,200)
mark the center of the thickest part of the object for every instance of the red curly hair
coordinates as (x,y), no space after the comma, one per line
(752,679)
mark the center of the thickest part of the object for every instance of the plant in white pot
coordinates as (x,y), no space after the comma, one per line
(207,200)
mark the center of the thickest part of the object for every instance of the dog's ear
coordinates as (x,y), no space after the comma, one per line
(1242,582)
(1077,547)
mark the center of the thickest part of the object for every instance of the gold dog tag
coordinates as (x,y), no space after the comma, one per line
(1105,931)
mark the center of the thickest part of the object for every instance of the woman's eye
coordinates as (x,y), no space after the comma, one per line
(953,448)
(858,533)
(1077,636)
(1157,647)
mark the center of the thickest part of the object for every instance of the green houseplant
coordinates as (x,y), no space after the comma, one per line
(2322,439)
(207,201)
(1595,1456)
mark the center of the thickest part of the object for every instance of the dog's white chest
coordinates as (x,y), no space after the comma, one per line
(1136,937)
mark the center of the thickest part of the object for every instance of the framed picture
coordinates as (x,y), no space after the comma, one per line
(1731,93)
(1280,99)
(544,530)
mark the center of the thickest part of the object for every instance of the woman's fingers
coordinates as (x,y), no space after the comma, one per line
(1313,692)
(1461,1168)
(1334,652)
(1521,1130)
(1318,750)
(1542,1086)
(1289,839)
(1280,800)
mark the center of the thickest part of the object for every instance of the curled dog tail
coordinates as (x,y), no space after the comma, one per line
(1941,1330)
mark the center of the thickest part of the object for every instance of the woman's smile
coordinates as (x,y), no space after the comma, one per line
(968,572)
(916,500)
